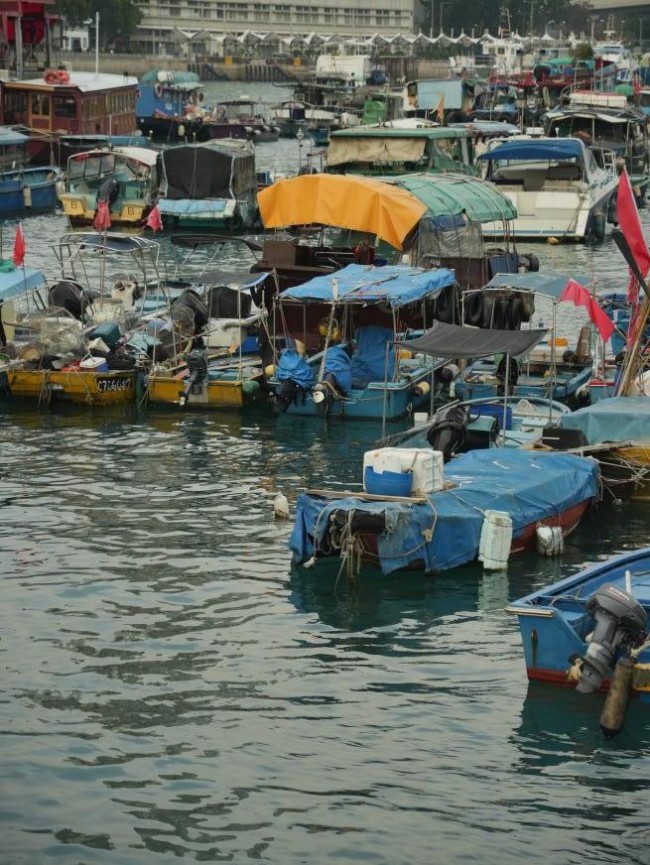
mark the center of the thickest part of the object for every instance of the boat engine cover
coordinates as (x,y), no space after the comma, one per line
(619,619)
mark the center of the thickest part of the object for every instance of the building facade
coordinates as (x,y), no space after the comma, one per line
(167,24)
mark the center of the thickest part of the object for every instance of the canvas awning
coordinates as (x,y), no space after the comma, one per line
(345,150)
(548,282)
(393,285)
(356,203)
(452,194)
(457,341)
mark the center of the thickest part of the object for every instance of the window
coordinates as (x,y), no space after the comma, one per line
(41,104)
(64,106)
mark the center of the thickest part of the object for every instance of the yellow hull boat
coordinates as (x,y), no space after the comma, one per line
(87,387)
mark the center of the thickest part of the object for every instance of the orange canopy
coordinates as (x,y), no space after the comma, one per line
(357,203)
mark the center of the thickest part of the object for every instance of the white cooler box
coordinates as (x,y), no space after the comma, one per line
(427,466)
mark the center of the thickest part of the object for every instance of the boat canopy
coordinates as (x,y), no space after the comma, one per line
(215,169)
(11,138)
(616,419)
(454,194)
(19,280)
(111,242)
(356,203)
(536,148)
(394,285)
(455,341)
(548,282)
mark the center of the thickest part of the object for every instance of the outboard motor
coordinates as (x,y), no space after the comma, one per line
(448,433)
(197,365)
(620,621)
(108,191)
(285,395)
(69,295)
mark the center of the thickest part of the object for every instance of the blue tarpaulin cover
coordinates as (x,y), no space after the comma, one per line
(615,419)
(394,285)
(369,358)
(543,149)
(528,486)
(548,282)
(189,207)
(338,364)
(292,365)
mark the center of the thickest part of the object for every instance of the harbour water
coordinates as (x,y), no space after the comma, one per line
(171,690)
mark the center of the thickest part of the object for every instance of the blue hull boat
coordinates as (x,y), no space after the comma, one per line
(28,190)
(442,529)
(589,631)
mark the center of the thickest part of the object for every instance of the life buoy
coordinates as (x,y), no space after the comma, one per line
(62,76)
(158,90)
(51,76)
(445,305)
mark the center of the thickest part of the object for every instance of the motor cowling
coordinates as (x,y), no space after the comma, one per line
(197,366)
(620,621)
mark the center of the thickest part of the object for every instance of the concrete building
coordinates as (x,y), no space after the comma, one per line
(176,26)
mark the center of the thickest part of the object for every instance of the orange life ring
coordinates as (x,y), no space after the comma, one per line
(62,76)
(51,76)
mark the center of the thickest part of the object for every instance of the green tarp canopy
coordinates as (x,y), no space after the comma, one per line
(452,194)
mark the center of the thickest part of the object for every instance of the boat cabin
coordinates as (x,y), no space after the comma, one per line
(74,103)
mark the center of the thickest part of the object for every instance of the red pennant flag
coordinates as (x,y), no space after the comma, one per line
(102,220)
(20,248)
(581,296)
(627,215)
(154,221)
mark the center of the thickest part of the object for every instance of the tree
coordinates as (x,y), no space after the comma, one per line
(583,51)
(118,19)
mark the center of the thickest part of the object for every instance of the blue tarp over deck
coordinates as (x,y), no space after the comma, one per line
(540,148)
(395,285)
(528,486)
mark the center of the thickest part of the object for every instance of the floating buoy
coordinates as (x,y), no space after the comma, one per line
(612,717)
(552,241)
(281,506)
(550,540)
(27,197)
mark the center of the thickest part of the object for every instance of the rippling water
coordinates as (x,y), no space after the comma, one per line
(171,689)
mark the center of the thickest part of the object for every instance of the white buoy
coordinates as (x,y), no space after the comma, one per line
(281,506)
(550,540)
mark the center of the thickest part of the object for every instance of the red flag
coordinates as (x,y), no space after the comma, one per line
(20,248)
(102,217)
(581,296)
(154,222)
(627,215)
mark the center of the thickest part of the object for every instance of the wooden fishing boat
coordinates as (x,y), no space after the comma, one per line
(73,384)
(24,189)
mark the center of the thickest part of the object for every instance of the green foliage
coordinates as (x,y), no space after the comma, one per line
(583,51)
(117,18)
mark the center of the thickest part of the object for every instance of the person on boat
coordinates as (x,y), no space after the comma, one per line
(364,253)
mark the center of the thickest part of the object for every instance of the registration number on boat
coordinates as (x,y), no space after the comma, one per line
(109,384)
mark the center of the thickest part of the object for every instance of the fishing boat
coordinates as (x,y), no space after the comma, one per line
(484,505)
(125,177)
(69,338)
(215,358)
(556,186)
(55,109)
(209,186)
(397,148)
(244,111)
(163,101)
(589,632)
(552,368)
(23,188)
(355,327)
(607,124)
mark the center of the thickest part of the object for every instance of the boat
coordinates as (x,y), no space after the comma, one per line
(163,101)
(588,631)
(212,185)
(243,111)
(55,109)
(125,177)
(24,188)
(69,338)
(397,148)
(421,517)
(356,361)
(555,184)
(552,368)
(605,122)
